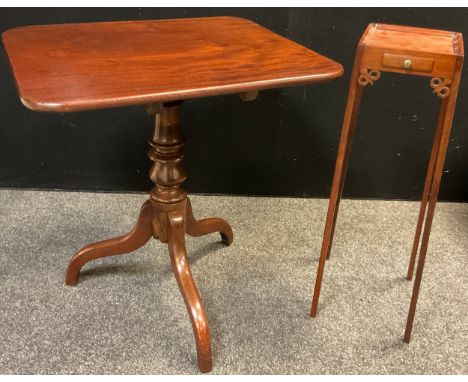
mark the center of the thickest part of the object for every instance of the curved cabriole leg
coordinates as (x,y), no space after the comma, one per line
(427,189)
(130,242)
(180,266)
(206,226)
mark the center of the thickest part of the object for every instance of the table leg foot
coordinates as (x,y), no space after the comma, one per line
(130,242)
(206,226)
(188,289)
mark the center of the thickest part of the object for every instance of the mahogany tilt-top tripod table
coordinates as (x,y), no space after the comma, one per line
(157,63)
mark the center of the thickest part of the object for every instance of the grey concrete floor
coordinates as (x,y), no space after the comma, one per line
(126,316)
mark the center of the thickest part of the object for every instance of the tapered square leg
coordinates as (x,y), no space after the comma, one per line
(347,133)
(427,188)
(445,120)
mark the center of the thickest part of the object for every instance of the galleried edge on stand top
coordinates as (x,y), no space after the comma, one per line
(72,67)
(411,50)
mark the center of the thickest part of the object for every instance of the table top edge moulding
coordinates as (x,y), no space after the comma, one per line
(87,66)
(73,67)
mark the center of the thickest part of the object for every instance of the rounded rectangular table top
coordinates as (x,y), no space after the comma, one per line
(72,67)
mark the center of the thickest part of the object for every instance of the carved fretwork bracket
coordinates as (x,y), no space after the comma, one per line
(368,76)
(441,86)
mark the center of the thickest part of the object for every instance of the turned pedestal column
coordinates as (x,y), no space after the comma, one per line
(167,216)
(76,67)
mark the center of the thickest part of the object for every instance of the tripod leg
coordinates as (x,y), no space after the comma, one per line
(130,242)
(189,290)
(206,226)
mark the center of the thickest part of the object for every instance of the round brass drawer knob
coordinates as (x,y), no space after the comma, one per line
(407,64)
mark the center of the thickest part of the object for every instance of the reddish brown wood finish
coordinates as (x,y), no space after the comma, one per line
(118,246)
(422,52)
(71,67)
(347,132)
(167,216)
(448,110)
(204,227)
(416,44)
(427,189)
(188,289)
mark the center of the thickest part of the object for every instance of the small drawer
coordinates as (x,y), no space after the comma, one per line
(417,64)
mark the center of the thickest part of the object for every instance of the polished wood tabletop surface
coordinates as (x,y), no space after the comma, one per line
(73,67)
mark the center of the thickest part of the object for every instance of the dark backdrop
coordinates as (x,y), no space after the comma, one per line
(284,143)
